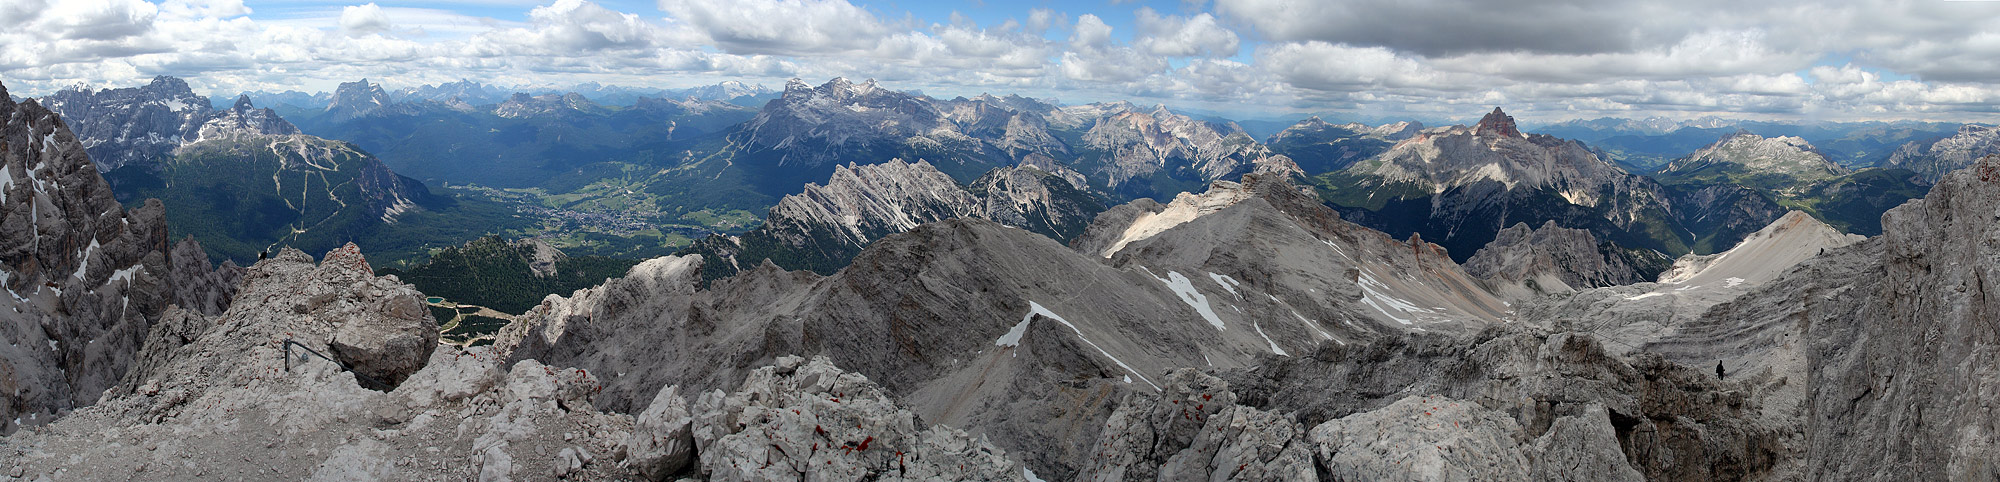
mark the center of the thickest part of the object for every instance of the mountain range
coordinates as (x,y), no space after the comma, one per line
(1017,310)
(243,179)
(1647,144)
(659,174)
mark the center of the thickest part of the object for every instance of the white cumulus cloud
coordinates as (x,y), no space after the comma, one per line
(364,19)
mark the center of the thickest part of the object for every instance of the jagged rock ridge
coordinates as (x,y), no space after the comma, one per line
(84,277)
(1460,186)
(1933,159)
(825,226)
(143,126)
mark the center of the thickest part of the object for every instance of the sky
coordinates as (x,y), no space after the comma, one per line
(1542,60)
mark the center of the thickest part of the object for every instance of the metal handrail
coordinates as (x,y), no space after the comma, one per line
(289,343)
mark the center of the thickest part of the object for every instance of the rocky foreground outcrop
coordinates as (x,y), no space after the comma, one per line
(253,394)
(1904,389)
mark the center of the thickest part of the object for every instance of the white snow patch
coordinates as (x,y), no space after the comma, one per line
(1336,249)
(1314,326)
(1382,302)
(126,274)
(1013,336)
(1185,290)
(1030,475)
(4,278)
(1037,309)
(1267,339)
(1641,297)
(1731,282)
(1227,283)
(83,260)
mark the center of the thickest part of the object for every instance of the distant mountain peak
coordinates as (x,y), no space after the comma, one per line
(1497,123)
(242,102)
(356,99)
(1787,155)
(128,125)
(169,83)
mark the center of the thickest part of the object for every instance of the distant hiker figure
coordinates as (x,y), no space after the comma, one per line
(1718,371)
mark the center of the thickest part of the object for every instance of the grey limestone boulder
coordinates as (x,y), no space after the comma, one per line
(1194,430)
(1423,438)
(386,338)
(662,441)
(808,419)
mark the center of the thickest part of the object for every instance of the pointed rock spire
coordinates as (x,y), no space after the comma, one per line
(243,102)
(1497,123)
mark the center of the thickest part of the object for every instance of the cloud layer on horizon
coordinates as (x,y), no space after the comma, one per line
(1864,59)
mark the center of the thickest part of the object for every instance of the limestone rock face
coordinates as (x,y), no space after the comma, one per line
(1901,391)
(809,417)
(1139,143)
(83,276)
(143,126)
(663,437)
(1672,422)
(135,125)
(1194,430)
(1574,256)
(542,257)
(1581,447)
(226,396)
(356,99)
(1422,438)
(1497,123)
(218,395)
(198,285)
